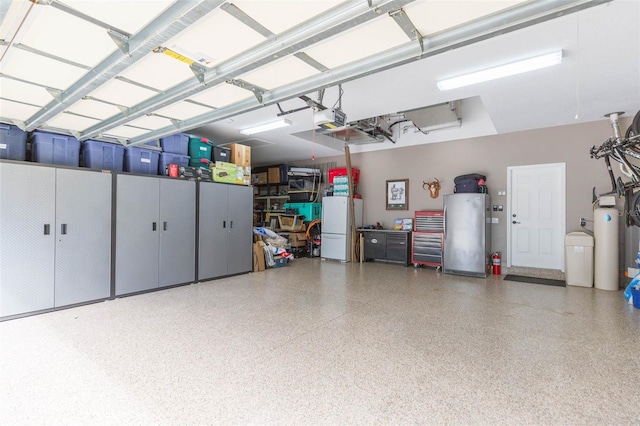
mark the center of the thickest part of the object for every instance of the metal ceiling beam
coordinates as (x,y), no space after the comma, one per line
(341,18)
(482,29)
(179,16)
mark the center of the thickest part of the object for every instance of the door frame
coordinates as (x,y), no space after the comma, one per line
(563,206)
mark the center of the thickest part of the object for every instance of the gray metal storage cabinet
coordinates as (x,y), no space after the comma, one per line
(155,232)
(225,229)
(55,237)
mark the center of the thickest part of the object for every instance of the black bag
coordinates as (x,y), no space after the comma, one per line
(470,183)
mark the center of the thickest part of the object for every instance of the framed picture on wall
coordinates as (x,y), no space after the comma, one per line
(398,194)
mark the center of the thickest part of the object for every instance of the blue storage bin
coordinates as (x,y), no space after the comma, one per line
(52,148)
(103,155)
(140,160)
(167,158)
(176,144)
(13,142)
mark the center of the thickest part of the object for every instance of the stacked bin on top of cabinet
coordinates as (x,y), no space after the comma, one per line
(54,148)
(176,144)
(140,160)
(103,155)
(13,142)
(167,158)
(199,152)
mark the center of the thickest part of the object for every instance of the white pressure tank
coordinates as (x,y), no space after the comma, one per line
(605,234)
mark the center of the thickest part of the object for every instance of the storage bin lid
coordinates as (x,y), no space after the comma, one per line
(578,239)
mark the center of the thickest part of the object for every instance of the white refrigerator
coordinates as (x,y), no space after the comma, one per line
(336,220)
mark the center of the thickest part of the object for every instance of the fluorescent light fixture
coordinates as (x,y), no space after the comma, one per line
(264,127)
(506,70)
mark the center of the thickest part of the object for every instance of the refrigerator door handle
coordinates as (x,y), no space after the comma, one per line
(444,222)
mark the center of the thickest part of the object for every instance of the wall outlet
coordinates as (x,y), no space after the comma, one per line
(583,222)
(494,220)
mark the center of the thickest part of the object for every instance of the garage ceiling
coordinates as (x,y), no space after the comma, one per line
(135,71)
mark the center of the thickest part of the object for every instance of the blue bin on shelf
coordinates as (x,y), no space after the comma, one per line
(103,155)
(140,160)
(13,142)
(52,148)
(176,144)
(167,158)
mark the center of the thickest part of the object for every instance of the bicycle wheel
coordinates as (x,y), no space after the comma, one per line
(634,128)
(634,208)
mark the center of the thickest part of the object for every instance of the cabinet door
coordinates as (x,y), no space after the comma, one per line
(240,229)
(213,233)
(177,231)
(137,233)
(27,238)
(374,245)
(397,247)
(83,236)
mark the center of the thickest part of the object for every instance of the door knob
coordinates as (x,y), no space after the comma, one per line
(514,222)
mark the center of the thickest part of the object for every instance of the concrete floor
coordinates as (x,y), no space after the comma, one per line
(319,342)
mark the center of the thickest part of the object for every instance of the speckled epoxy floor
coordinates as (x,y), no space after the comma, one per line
(319,342)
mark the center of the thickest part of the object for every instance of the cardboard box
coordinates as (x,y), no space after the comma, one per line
(274,175)
(297,239)
(258,257)
(240,154)
(291,223)
(243,175)
(259,178)
(225,172)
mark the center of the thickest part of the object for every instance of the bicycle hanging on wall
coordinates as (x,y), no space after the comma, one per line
(622,149)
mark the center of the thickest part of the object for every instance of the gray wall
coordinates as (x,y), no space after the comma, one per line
(490,155)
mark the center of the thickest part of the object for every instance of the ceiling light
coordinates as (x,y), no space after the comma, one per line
(506,70)
(264,127)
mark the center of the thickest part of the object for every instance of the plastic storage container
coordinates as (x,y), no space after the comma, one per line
(203,163)
(175,144)
(221,153)
(355,174)
(199,148)
(140,160)
(310,211)
(13,142)
(167,158)
(579,259)
(103,155)
(52,148)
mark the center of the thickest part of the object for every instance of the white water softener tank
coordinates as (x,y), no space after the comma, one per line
(605,234)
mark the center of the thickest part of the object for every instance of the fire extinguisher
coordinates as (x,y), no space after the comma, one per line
(495,262)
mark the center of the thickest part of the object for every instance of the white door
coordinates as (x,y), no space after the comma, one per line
(536,216)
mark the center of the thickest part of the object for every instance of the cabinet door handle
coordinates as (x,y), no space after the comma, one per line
(63,229)
(154,226)
(47,229)
(224,223)
(164,226)
(231,224)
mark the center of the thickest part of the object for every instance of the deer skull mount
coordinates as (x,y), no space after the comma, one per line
(433,187)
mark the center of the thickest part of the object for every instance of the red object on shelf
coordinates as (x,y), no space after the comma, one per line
(343,172)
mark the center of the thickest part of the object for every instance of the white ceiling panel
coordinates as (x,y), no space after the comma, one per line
(122,93)
(232,38)
(127,15)
(159,71)
(282,15)
(151,122)
(24,92)
(94,109)
(430,16)
(360,42)
(279,73)
(57,35)
(38,69)
(222,95)
(16,9)
(125,132)
(71,122)
(15,110)
(183,110)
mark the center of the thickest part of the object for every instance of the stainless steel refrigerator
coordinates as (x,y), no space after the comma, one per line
(467,234)
(336,220)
